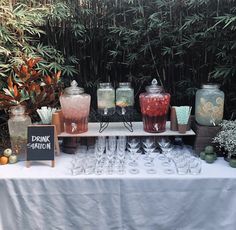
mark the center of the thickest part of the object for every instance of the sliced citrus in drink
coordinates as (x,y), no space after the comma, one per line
(219,101)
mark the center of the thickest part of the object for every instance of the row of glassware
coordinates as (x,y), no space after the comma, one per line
(121,155)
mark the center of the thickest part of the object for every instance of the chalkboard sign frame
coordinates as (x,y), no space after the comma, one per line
(44,137)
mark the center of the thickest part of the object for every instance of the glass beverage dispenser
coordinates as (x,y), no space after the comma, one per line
(75,105)
(209,105)
(154,107)
(124,98)
(106,99)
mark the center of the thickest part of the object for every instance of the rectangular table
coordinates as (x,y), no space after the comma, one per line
(42,197)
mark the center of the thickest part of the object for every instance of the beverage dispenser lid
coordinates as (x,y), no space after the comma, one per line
(154,87)
(124,84)
(105,85)
(210,86)
(74,89)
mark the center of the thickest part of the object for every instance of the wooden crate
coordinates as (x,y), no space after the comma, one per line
(204,135)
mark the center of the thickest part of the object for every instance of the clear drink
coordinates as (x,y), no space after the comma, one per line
(106,99)
(124,98)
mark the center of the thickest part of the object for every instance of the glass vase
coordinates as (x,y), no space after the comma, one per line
(18,128)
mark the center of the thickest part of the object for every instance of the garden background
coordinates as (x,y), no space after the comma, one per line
(181,43)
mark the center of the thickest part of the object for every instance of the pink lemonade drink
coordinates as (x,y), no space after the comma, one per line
(75,106)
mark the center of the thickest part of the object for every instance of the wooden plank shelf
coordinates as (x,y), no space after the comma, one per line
(118,129)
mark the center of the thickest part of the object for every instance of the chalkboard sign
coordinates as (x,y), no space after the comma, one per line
(41,143)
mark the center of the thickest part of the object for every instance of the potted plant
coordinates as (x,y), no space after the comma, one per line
(226,138)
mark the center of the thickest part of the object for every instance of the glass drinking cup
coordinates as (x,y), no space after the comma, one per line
(182,168)
(195,167)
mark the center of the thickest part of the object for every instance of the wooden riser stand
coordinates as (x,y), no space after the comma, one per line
(204,135)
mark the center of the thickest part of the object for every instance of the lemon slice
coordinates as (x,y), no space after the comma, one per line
(219,101)
(202,100)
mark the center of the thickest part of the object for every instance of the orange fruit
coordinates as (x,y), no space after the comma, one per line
(3,160)
(121,104)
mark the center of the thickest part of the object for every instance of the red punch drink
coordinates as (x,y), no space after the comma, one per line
(154,107)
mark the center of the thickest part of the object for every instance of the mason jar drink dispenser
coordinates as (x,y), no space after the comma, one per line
(106,99)
(209,105)
(124,98)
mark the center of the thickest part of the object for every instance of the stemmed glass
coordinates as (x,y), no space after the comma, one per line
(134,155)
(120,153)
(99,155)
(148,141)
(110,155)
(121,143)
(167,155)
(112,143)
(148,152)
(121,157)
(133,142)
(101,143)
(110,152)
(152,155)
(166,147)
(148,146)
(133,146)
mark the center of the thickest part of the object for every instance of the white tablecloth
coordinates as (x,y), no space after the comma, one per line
(45,198)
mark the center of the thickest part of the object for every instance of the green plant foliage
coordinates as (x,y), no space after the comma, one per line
(30,87)
(21,28)
(181,43)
